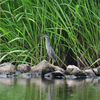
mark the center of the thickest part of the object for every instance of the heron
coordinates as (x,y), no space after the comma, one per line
(50,51)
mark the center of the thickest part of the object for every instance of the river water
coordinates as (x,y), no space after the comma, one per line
(55,89)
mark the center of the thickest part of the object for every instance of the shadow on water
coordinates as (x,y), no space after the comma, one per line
(42,89)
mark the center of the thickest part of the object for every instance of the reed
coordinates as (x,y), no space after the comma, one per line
(73,28)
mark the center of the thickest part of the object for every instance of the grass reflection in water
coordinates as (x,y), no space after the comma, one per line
(40,89)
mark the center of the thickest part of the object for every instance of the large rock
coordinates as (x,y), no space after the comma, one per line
(44,67)
(90,72)
(7,68)
(23,68)
(73,70)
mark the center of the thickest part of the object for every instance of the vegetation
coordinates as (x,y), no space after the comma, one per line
(72,25)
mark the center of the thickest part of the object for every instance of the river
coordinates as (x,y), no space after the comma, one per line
(55,89)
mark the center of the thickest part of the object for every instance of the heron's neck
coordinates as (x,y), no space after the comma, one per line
(47,44)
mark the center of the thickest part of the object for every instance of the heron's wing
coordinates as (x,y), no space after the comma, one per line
(53,54)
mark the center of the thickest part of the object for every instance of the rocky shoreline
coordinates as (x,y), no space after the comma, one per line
(46,70)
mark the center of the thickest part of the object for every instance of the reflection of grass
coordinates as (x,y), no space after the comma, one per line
(82,91)
(12,92)
(21,75)
(89,92)
(21,92)
(24,89)
(73,27)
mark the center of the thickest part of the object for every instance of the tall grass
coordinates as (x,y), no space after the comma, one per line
(73,28)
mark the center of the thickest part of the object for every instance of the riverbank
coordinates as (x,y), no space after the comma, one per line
(46,70)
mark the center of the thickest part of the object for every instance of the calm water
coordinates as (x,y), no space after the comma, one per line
(58,89)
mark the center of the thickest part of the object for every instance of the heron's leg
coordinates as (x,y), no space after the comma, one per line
(49,60)
(52,62)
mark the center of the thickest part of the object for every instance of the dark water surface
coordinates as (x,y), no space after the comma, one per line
(42,89)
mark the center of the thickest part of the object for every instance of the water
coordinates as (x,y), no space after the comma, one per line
(42,89)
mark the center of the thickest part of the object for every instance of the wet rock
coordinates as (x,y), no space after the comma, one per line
(48,76)
(80,74)
(67,72)
(23,68)
(3,76)
(36,74)
(11,75)
(73,70)
(44,67)
(7,68)
(20,74)
(98,70)
(70,76)
(54,75)
(58,74)
(90,73)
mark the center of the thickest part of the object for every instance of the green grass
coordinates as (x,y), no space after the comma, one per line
(73,28)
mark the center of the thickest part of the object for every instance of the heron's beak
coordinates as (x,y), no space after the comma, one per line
(42,35)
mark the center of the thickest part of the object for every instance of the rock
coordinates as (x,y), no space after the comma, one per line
(36,74)
(23,68)
(3,76)
(54,75)
(73,70)
(98,70)
(90,73)
(44,67)
(67,72)
(58,74)
(48,76)
(7,68)
(71,76)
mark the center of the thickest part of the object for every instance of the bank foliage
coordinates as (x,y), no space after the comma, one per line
(73,27)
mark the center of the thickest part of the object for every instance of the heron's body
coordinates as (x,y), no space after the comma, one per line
(50,51)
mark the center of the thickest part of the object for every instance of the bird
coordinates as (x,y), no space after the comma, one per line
(50,51)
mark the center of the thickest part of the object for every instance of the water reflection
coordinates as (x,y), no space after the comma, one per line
(42,89)
(7,81)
